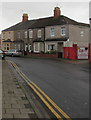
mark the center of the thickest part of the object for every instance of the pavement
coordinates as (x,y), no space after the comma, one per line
(75,61)
(15,103)
(81,61)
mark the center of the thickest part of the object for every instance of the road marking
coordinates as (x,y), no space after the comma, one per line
(40,96)
(31,84)
(46,103)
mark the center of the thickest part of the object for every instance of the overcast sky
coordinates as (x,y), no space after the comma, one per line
(11,12)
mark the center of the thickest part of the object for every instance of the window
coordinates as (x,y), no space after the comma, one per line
(63,31)
(6,46)
(18,46)
(52,32)
(36,47)
(8,35)
(19,35)
(81,33)
(26,47)
(39,34)
(51,47)
(25,34)
(3,36)
(30,33)
(15,46)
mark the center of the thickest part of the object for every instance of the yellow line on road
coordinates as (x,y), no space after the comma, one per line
(46,103)
(39,95)
(54,104)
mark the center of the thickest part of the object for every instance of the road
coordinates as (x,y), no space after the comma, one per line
(66,84)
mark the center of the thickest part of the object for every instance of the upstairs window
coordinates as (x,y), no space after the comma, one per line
(19,36)
(39,34)
(81,33)
(63,31)
(52,32)
(25,34)
(3,36)
(8,35)
(30,33)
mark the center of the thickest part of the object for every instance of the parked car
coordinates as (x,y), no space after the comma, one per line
(2,54)
(14,52)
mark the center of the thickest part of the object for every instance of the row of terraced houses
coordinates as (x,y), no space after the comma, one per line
(58,34)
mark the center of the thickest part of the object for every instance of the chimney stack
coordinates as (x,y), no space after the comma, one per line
(57,12)
(25,17)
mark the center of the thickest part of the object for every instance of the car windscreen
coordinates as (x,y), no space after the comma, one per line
(11,51)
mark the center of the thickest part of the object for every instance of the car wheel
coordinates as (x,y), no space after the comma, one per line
(3,58)
(12,55)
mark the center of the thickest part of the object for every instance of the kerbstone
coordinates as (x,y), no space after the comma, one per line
(7,116)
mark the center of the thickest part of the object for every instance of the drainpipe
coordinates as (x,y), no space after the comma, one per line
(44,39)
(89,54)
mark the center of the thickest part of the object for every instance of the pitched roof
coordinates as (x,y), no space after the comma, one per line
(42,22)
(20,26)
(51,21)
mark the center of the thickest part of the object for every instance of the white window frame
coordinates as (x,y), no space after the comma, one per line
(38,47)
(26,46)
(63,31)
(25,34)
(30,33)
(50,46)
(81,33)
(39,34)
(52,31)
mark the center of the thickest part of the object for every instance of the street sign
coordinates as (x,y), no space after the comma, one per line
(82,53)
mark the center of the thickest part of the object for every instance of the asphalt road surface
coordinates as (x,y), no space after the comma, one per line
(66,84)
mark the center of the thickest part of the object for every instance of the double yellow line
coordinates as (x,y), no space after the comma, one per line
(36,89)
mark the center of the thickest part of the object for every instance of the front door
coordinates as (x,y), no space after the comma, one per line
(60,50)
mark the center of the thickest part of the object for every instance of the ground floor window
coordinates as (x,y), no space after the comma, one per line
(15,46)
(36,47)
(6,46)
(19,47)
(51,47)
